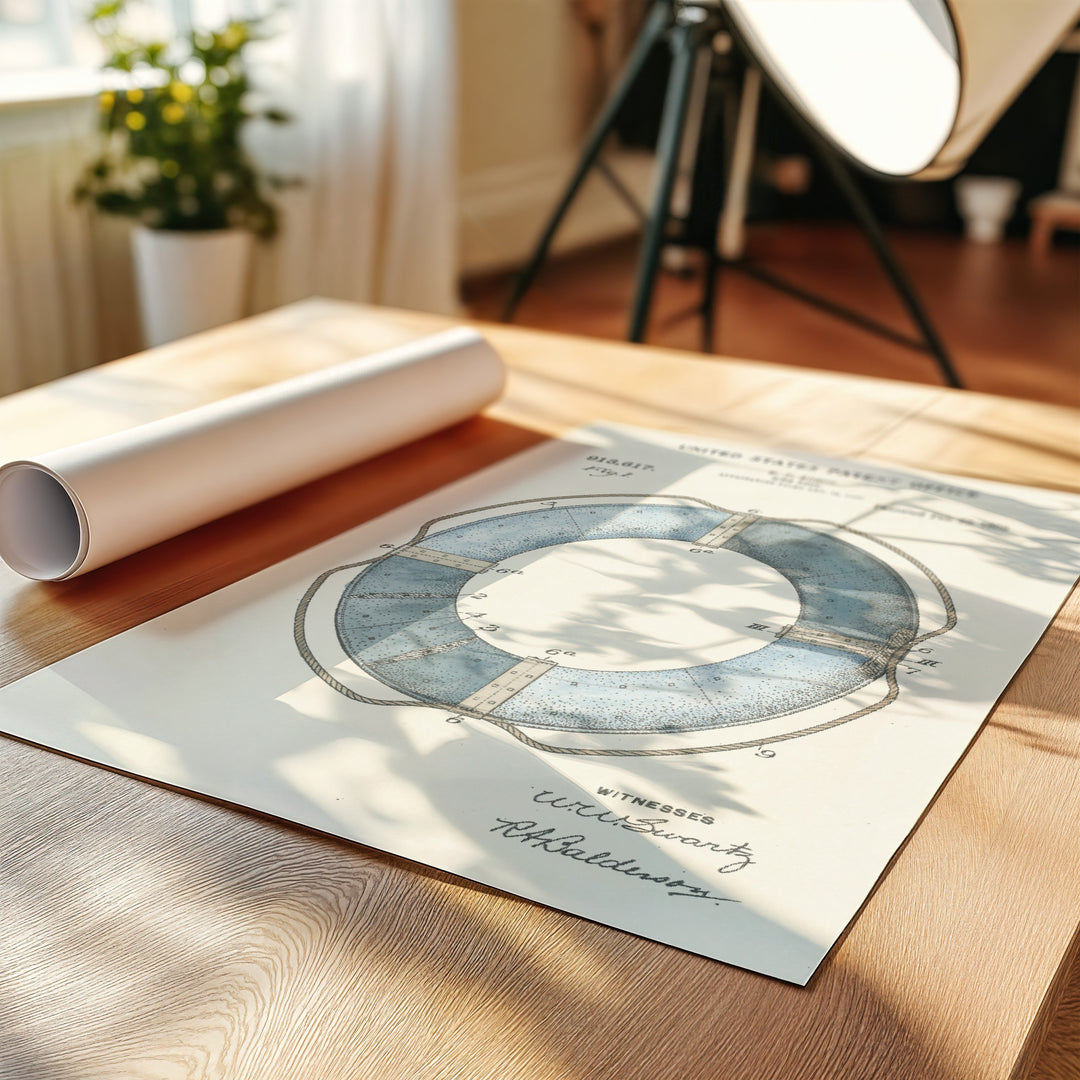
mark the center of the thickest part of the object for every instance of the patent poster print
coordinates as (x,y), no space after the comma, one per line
(828,617)
(697,692)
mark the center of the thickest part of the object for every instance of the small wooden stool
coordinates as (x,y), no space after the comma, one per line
(1049,212)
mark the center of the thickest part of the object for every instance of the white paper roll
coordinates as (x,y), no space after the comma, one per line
(69,511)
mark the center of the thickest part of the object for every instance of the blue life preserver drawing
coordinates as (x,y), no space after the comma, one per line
(397,620)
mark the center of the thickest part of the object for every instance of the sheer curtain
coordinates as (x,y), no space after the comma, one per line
(373,145)
(46,309)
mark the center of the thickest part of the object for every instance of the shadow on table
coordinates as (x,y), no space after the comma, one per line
(151,934)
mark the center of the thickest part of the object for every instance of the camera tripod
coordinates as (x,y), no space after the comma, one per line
(690,27)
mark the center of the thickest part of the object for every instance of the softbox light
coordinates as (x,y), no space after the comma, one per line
(906,88)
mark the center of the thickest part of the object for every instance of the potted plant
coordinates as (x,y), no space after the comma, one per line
(172,158)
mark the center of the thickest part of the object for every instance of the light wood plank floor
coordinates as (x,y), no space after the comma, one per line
(1010,320)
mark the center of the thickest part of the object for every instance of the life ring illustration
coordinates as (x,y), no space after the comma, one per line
(402,622)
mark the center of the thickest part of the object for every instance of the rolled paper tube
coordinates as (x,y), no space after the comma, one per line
(69,511)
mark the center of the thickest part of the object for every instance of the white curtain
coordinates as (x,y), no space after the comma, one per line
(48,309)
(372,88)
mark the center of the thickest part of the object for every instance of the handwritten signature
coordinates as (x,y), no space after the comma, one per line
(739,855)
(546,839)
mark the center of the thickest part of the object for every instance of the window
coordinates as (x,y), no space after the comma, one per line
(47,51)
(36,34)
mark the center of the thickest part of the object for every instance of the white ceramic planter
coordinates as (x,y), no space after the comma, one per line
(189,281)
(986,203)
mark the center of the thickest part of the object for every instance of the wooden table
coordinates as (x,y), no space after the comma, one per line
(149,934)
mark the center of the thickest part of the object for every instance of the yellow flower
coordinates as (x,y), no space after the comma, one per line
(233,36)
(135,96)
(106,100)
(181,91)
(135,121)
(170,168)
(172,113)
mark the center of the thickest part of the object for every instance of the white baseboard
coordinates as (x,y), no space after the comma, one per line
(503,209)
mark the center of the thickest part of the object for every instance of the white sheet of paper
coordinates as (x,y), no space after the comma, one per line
(697,692)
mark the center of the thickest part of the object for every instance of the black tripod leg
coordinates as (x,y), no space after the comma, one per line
(685,40)
(716,199)
(654,28)
(882,249)
(709,288)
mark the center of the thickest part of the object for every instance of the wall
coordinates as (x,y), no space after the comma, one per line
(530,80)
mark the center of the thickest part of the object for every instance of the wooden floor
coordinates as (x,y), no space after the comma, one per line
(1010,320)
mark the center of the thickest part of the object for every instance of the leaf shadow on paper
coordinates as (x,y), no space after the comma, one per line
(419,935)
